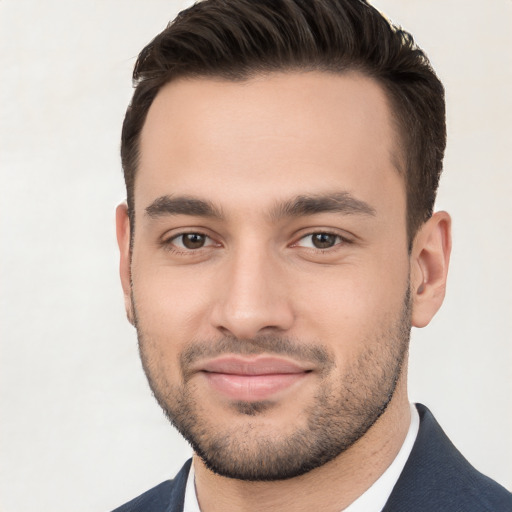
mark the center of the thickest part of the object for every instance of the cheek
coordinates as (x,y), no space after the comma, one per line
(170,306)
(349,307)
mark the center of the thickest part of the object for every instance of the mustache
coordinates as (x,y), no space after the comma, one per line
(264,344)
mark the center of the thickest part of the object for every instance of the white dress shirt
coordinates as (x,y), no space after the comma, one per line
(372,500)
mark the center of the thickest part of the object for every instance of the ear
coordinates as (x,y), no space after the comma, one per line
(123,241)
(429,267)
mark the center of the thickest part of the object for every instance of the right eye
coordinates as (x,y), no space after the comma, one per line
(191,241)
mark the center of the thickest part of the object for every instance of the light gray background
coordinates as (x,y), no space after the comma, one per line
(79,429)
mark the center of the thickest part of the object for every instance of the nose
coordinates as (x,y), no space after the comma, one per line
(252,296)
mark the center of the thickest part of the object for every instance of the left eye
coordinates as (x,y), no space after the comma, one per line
(191,241)
(320,241)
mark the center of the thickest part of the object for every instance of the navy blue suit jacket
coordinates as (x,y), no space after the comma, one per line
(436,478)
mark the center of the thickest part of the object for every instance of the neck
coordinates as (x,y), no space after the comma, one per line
(331,487)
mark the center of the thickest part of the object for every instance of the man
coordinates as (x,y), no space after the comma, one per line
(281,161)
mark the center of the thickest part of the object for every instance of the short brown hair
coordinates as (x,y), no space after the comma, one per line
(237,39)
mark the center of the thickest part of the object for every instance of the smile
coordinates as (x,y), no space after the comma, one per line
(252,379)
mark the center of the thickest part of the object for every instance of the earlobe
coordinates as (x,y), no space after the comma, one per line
(429,267)
(123,241)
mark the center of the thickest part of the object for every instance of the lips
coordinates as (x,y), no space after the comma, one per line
(252,379)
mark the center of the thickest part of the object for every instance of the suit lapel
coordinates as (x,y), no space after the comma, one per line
(434,470)
(176,499)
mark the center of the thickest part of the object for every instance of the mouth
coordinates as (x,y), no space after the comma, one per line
(252,379)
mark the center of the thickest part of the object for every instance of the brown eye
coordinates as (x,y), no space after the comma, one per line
(321,240)
(324,240)
(193,240)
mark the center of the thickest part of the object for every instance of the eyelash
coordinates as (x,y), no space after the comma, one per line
(342,241)
(169,245)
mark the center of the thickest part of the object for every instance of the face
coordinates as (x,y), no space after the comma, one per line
(269,269)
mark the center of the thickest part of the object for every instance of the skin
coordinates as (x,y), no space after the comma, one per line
(243,148)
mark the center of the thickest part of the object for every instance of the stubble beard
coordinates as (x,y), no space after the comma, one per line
(342,410)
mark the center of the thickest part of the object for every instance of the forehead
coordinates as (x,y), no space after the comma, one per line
(274,135)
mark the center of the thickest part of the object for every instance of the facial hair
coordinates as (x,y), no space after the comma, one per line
(344,407)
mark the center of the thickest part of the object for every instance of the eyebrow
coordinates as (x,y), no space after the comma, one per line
(182,205)
(303,205)
(338,202)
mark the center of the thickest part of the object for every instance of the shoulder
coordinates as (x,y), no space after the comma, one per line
(166,497)
(438,478)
